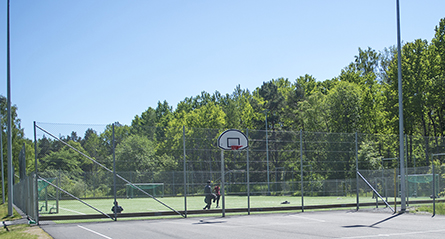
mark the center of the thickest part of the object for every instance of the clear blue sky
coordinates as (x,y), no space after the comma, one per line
(102,61)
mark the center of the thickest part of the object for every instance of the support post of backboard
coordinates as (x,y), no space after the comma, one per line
(222,185)
(248,177)
(231,139)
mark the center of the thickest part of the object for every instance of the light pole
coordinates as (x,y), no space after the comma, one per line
(1,156)
(9,135)
(401,134)
(267,153)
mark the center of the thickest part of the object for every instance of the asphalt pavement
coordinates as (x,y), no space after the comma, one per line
(315,224)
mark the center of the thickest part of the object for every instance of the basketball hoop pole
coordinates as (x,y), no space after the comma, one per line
(231,139)
(233,147)
(222,185)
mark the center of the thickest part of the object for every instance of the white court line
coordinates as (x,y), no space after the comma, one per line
(97,233)
(395,234)
(66,209)
(308,218)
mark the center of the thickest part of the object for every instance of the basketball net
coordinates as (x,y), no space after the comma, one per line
(235,147)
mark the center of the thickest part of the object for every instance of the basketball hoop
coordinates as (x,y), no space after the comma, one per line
(233,139)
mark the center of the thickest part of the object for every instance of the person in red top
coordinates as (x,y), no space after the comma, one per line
(217,189)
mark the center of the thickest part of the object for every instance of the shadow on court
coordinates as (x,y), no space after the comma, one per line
(381,221)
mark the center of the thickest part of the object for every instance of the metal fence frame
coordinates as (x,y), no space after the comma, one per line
(281,180)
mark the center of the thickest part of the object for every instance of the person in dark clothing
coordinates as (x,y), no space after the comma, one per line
(217,191)
(208,195)
(119,209)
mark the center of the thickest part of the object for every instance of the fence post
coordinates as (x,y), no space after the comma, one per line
(301,170)
(395,190)
(434,191)
(356,170)
(434,182)
(36,188)
(114,176)
(185,172)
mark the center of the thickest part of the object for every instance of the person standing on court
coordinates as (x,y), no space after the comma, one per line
(217,191)
(208,195)
(116,207)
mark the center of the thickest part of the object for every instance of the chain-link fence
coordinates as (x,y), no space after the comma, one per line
(177,162)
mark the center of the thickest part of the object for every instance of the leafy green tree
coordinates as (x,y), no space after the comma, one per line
(297,103)
(66,159)
(230,107)
(364,73)
(237,108)
(417,77)
(95,148)
(270,100)
(137,153)
(17,135)
(120,133)
(208,116)
(30,155)
(152,122)
(372,117)
(439,45)
(144,124)
(198,124)
(369,157)
(73,137)
(436,101)
(343,103)
(247,112)
(164,113)
(367,61)
(191,103)
(44,147)
(91,142)
(386,57)
(314,113)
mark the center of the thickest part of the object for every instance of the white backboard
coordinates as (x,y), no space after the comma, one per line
(233,137)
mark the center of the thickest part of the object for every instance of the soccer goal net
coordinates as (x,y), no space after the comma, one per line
(48,197)
(155,189)
(421,185)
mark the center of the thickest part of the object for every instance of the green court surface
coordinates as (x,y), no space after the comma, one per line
(74,207)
